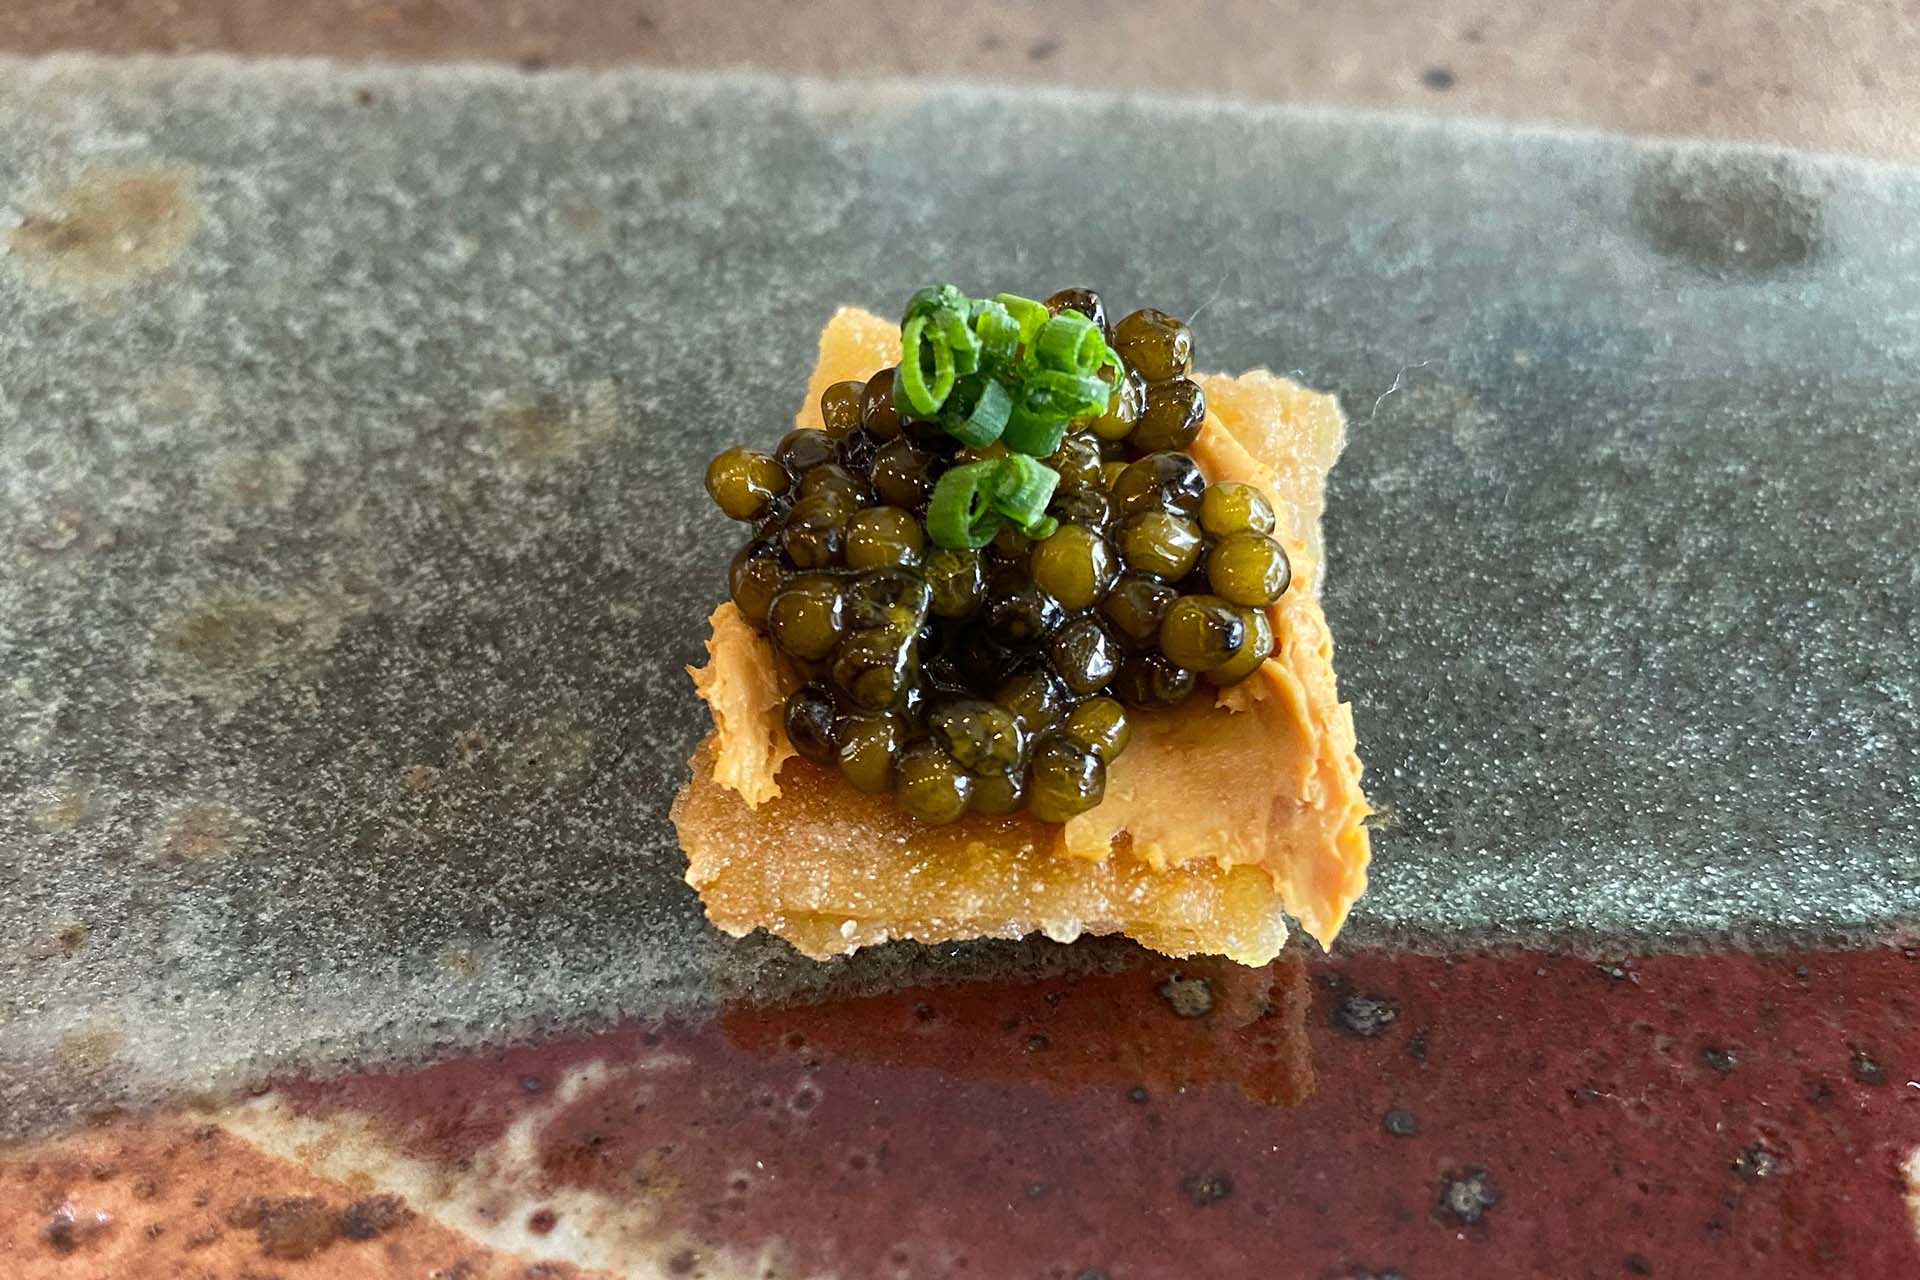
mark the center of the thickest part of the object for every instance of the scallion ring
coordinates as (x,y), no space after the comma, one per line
(961,514)
(1034,434)
(1070,343)
(977,412)
(1051,393)
(998,332)
(954,328)
(1027,313)
(924,400)
(1023,488)
(934,297)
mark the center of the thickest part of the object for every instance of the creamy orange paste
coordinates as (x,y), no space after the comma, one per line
(1217,818)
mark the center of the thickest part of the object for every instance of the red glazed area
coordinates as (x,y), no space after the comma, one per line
(1514,1115)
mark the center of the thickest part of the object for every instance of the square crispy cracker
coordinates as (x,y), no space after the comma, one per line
(1220,819)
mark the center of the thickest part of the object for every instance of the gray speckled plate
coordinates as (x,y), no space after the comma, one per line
(351,545)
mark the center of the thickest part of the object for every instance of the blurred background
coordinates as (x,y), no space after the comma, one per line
(1825,76)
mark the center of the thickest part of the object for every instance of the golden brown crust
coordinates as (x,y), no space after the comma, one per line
(832,870)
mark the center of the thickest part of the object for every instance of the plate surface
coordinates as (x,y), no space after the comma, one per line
(351,428)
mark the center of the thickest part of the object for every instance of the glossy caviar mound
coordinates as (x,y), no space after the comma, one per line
(997,678)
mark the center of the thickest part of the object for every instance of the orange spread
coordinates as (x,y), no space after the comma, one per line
(1216,818)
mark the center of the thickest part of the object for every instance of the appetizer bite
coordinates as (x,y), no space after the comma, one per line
(1024,635)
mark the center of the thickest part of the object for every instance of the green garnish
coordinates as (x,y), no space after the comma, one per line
(1034,434)
(961,512)
(971,502)
(1070,343)
(916,348)
(1027,313)
(979,424)
(1023,489)
(999,369)
(998,331)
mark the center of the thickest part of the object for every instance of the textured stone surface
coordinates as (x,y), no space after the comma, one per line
(1828,77)
(350,435)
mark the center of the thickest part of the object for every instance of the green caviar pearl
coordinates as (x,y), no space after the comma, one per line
(1249,569)
(1134,608)
(1100,725)
(998,794)
(754,578)
(958,580)
(1173,416)
(809,719)
(744,483)
(840,406)
(903,475)
(877,412)
(984,739)
(803,449)
(1084,300)
(1019,612)
(1010,543)
(893,598)
(1202,632)
(875,667)
(1150,680)
(881,536)
(1164,481)
(868,747)
(1074,565)
(1064,779)
(815,533)
(929,785)
(1124,409)
(1155,343)
(1085,655)
(1079,506)
(1159,543)
(1231,507)
(1253,651)
(806,617)
(1036,697)
(1078,461)
(830,479)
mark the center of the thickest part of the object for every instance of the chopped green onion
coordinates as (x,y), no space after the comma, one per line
(1053,394)
(998,332)
(1044,527)
(924,400)
(1070,343)
(977,412)
(1031,433)
(1030,315)
(935,297)
(953,328)
(1023,489)
(961,513)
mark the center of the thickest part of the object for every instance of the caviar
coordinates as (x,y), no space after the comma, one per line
(1074,566)
(1100,725)
(745,483)
(1172,416)
(1249,569)
(866,747)
(930,785)
(880,536)
(1004,678)
(1066,779)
